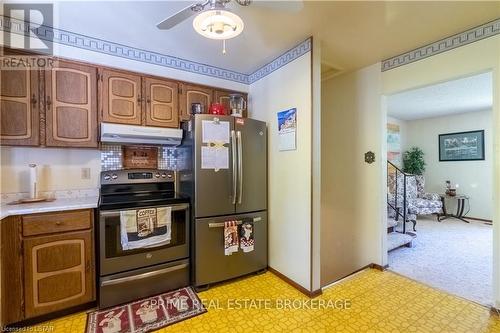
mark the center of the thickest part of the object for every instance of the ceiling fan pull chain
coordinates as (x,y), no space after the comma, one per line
(223,46)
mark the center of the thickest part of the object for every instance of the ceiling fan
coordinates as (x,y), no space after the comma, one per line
(215,21)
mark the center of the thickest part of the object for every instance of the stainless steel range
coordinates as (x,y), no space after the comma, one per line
(129,272)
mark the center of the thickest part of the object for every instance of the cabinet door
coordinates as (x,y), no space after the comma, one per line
(59,272)
(121,97)
(19,108)
(162,103)
(194,94)
(11,270)
(71,105)
(222,97)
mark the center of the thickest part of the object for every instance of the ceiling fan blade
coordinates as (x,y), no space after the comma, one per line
(283,5)
(177,18)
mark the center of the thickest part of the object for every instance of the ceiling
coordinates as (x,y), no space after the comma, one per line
(353,33)
(470,94)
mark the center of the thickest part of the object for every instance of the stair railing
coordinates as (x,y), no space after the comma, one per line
(395,207)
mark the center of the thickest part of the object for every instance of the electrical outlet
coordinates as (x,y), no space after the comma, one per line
(85,173)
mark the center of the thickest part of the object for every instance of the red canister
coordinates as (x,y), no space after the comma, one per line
(217,109)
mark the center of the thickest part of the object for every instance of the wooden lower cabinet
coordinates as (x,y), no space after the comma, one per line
(58,272)
(46,272)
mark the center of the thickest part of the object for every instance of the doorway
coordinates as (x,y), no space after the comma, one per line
(440,162)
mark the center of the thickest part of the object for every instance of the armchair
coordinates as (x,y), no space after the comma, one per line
(417,201)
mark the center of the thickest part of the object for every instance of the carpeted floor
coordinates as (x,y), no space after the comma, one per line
(450,255)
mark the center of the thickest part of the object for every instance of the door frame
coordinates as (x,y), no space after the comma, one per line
(495,158)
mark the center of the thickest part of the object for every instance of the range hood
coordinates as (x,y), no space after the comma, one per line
(116,133)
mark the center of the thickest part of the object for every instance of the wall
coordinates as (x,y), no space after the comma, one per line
(474,177)
(351,201)
(289,172)
(474,58)
(58,169)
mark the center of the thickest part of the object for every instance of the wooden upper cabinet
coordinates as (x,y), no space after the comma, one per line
(121,100)
(162,102)
(19,107)
(222,97)
(194,94)
(59,272)
(71,105)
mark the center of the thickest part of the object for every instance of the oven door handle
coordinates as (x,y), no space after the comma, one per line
(117,212)
(143,275)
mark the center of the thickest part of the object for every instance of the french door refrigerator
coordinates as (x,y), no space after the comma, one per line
(226,177)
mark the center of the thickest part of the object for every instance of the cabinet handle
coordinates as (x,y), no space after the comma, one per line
(87,266)
(139,99)
(48,102)
(33,100)
(148,100)
(58,222)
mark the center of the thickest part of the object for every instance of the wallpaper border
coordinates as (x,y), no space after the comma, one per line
(469,36)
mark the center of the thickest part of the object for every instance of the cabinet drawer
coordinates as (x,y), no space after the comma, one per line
(49,223)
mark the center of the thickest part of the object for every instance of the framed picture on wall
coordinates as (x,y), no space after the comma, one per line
(461,146)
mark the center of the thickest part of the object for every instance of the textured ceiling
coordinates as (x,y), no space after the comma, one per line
(468,94)
(353,33)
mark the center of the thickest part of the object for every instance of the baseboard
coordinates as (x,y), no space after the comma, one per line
(378,267)
(310,294)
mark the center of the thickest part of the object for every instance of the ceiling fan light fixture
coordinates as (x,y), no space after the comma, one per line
(218,24)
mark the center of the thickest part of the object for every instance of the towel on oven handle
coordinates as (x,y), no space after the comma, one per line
(144,228)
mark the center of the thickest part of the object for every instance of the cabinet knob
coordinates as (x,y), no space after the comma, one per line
(58,222)
(33,99)
(87,266)
(48,102)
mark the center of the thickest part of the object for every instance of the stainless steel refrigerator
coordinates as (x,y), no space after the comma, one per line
(234,190)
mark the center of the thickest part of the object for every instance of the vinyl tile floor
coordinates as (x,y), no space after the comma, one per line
(369,301)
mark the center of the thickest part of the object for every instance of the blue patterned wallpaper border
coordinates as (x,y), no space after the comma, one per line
(73,39)
(473,35)
(68,38)
(287,57)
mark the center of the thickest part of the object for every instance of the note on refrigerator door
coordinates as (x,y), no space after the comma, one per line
(212,131)
(215,158)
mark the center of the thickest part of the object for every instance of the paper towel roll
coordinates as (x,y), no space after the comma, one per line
(33,181)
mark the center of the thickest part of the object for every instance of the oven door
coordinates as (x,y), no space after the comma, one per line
(114,258)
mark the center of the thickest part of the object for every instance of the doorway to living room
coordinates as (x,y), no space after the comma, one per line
(440,185)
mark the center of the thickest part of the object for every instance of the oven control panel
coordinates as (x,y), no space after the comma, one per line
(136,176)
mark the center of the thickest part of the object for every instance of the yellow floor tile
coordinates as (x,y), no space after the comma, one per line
(379,302)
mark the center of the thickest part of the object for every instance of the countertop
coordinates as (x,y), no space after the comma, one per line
(52,206)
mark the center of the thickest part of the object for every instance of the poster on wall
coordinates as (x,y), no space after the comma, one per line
(394,144)
(462,146)
(287,129)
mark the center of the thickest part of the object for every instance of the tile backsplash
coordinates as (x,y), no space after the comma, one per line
(169,158)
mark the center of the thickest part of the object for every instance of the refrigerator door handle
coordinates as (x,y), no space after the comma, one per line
(240,167)
(233,151)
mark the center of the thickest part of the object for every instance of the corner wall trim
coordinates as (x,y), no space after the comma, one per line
(310,294)
(470,36)
(94,44)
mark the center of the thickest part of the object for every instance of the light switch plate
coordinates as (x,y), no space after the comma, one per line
(85,173)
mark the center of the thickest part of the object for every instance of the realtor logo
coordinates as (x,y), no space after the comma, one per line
(29,16)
